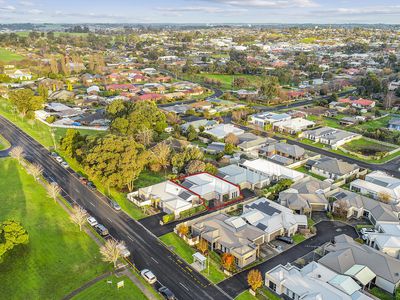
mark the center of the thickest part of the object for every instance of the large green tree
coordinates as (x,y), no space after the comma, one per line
(25,101)
(12,234)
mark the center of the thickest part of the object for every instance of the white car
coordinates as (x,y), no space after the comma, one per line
(92,221)
(65,165)
(148,276)
(365,230)
(123,250)
(59,159)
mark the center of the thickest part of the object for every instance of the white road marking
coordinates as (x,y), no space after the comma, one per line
(154,259)
(109,220)
(129,237)
(183,286)
(91,203)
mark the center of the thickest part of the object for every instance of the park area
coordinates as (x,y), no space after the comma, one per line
(58,258)
(8,56)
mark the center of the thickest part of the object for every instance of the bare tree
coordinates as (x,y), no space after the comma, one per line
(35,170)
(111,252)
(79,216)
(53,190)
(17,153)
(145,137)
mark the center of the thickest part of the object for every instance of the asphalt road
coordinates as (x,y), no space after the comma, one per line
(146,249)
(326,231)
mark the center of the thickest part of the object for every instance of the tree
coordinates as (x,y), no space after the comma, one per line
(254,279)
(202,246)
(340,209)
(71,142)
(145,136)
(35,170)
(78,216)
(269,88)
(43,92)
(183,229)
(146,114)
(210,168)
(384,197)
(228,261)
(191,133)
(12,234)
(53,190)
(111,251)
(25,101)
(195,166)
(229,149)
(162,155)
(17,153)
(231,138)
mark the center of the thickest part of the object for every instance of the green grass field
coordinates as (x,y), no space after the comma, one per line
(4,144)
(105,290)
(303,169)
(262,294)
(59,258)
(227,80)
(182,249)
(8,56)
(374,124)
(330,122)
(367,147)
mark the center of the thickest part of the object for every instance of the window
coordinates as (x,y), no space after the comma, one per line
(272,286)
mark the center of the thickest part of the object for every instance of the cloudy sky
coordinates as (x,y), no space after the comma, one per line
(201,11)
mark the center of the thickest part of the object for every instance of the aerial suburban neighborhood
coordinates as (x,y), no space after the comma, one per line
(200,150)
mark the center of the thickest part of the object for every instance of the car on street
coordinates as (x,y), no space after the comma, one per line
(148,276)
(84,180)
(92,221)
(166,292)
(91,185)
(59,159)
(53,154)
(114,204)
(123,250)
(101,229)
(65,165)
(285,239)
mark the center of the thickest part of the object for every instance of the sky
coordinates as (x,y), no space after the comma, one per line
(201,11)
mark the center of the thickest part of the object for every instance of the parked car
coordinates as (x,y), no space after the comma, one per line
(59,159)
(114,204)
(365,230)
(148,276)
(83,180)
(92,221)
(101,229)
(54,154)
(123,250)
(65,165)
(286,239)
(91,185)
(166,292)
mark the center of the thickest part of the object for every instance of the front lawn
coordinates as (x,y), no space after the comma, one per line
(105,290)
(262,294)
(383,295)
(298,238)
(178,246)
(304,170)
(8,56)
(59,258)
(367,147)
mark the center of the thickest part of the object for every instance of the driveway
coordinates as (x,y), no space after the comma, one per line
(326,231)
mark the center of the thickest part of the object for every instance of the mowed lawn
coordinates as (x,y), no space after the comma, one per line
(227,80)
(105,290)
(59,258)
(7,56)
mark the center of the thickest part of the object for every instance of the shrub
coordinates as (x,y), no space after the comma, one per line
(329,215)
(50,119)
(168,218)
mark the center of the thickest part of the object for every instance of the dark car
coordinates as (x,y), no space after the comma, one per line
(101,229)
(84,180)
(91,185)
(114,204)
(166,292)
(286,239)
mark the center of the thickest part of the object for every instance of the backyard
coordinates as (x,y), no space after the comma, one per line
(59,258)
(178,246)
(8,56)
(107,289)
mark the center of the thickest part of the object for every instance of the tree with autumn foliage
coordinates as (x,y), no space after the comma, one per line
(202,246)
(254,279)
(183,229)
(228,261)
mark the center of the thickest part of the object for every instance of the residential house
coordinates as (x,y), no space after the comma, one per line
(198,124)
(22,74)
(249,142)
(314,282)
(359,103)
(293,152)
(215,148)
(274,219)
(345,253)
(230,235)
(306,195)
(243,177)
(272,170)
(169,196)
(264,118)
(386,240)
(222,130)
(330,136)
(377,185)
(293,126)
(334,169)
